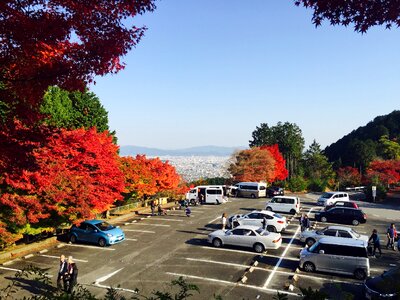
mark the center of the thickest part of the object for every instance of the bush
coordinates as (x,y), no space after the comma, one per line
(317,185)
(297,184)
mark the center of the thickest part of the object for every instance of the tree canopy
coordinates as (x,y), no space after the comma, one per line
(64,43)
(361,13)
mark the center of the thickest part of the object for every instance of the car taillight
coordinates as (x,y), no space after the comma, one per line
(281,222)
(365,216)
(275,241)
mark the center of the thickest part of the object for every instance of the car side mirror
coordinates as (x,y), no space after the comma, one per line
(321,252)
(228,232)
(95,230)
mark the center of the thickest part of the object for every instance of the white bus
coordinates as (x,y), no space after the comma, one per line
(213,194)
(251,189)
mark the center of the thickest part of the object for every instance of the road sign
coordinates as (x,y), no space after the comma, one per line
(374,192)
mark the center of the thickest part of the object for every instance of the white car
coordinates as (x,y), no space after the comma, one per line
(284,204)
(275,222)
(311,236)
(246,236)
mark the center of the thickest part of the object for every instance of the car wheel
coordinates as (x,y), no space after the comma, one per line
(269,208)
(271,228)
(355,222)
(308,266)
(324,219)
(102,242)
(360,274)
(292,211)
(253,196)
(259,248)
(310,242)
(73,239)
(217,243)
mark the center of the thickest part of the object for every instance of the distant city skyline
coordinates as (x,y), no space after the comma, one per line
(208,73)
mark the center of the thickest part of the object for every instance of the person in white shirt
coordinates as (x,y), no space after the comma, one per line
(223,221)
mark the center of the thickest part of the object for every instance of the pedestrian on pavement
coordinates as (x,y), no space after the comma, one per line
(201,197)
(61,272)
(72,274)
(153,208)
(301,221)
(264,223)
(375,241)
(188,212)
(305,223)
(391,235)
(223,220)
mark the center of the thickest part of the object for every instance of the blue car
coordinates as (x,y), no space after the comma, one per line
(96,232)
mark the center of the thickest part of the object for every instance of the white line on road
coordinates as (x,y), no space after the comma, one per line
(151,224)
(166,219)
(283,254)
(91,247)
(233,250)
(213,220)
(18,270)
(134,240)
(57,257)
(225,282)
(104,278)
(144,231)
(180,215)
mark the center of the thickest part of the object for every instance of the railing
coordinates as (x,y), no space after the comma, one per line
(135,205)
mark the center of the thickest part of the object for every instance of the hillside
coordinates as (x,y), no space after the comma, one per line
(361,145)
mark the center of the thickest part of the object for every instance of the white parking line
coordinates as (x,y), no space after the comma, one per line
(225,282)
(180,215)
(104,278)
(277,256)
(134,240)
(166,219)
(18,270)
(151,224)
(144,231)
(213,220)
(283,254)
(233,250)
(91,247)
(57,257)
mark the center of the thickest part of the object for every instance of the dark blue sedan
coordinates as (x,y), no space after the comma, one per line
(97,232)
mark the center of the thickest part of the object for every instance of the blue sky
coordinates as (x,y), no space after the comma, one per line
(208,72)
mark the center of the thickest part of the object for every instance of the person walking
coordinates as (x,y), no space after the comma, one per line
(391,235)
(61,272)
(153,207)
(188,211)
(159,210)
(301,222)
(375,241)
(305,223)
(264,223)
(223,220)
(72,275)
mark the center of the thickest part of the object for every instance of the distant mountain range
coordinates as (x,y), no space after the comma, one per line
(193,151)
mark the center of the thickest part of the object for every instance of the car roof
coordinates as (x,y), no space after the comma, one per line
(93,221)
(252,227)
(265,212)
(286,197)
(343,241)
(339,227)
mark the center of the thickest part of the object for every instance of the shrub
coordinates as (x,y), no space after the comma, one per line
(297,184)
(317,185)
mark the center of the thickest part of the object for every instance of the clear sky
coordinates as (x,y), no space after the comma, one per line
(208,72)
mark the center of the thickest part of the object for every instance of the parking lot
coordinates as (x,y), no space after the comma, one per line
(159,249)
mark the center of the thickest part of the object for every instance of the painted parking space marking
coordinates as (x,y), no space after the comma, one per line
(233,250)
(225,282)
(144,231)
(90,247)
(180,215)
(166,219)
(58,257)
(105,277)
(151,224)
(213,220)
(18,270)
(133,240)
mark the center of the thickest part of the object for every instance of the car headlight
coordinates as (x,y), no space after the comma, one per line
(109,235)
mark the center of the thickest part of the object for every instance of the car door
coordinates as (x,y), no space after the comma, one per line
(344,233)
(235,237)
(251,219)
(330,232)
(336,215)
(81,232)
(249,238)
(91,233)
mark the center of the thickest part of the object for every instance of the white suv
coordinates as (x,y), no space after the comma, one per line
(330,198)
(284,204)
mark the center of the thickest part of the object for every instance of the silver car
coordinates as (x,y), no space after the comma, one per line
(246,236)
(311,236)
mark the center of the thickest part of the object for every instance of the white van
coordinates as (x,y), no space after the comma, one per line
(284,204)
(337,255)
(330,198)
(212,194)
(251,189)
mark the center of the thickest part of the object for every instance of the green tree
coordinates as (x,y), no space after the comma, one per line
(73,110)
(388,149)
(363,152)
(289,138)
(316,164)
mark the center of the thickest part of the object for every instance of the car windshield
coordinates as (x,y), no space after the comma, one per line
(326,195)
(262,231)
(355,233)
(392,272)
(278,216)
(104,226)
(321,231)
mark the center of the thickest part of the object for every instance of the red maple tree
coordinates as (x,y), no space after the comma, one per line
(280,171)
(349,176)
(386,171)
(64,43)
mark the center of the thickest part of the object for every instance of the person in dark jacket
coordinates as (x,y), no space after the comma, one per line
(391,235)
(305,223)
(375,241)
(72,274)
(153,208)
(61,272)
